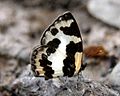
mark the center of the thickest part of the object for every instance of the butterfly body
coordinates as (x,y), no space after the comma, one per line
(60,51)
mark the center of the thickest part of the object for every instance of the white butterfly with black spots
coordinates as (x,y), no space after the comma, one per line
(60,51)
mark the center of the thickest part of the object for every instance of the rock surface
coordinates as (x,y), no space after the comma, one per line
(114,77)
(106,10)
(28,85)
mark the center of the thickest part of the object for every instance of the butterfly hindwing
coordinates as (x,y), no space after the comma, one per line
(60,53)
(40,65)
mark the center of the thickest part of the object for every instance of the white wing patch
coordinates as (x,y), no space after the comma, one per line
(64,24)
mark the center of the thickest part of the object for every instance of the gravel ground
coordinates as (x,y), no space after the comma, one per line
(22,23)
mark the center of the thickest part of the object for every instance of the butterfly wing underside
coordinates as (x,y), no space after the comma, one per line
(60,51)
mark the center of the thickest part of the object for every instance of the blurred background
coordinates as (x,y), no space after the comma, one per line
(23,21)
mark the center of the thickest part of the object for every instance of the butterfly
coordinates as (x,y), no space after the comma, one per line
(60,51)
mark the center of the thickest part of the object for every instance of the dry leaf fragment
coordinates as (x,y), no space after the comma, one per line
(95,51)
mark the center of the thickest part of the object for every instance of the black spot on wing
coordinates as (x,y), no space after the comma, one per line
(54,43)
(52,46)
(54,31)
(69,61)
(48,72)
(72,47)
(45,63)
(69,66)
(73,30)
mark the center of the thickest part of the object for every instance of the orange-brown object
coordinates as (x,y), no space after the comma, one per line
(95,51)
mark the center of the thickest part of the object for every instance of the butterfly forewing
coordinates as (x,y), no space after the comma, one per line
(60,53)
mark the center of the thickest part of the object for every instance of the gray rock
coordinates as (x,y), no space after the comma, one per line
(28,85)
(7,68)
(114,77)
(106,10)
